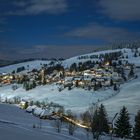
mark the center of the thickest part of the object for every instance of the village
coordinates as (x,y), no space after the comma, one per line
(89,75)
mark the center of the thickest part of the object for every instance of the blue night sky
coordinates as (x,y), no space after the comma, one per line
(64,28)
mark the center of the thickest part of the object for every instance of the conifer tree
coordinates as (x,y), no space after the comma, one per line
(135,55)
(95,124)
(103,121)
(95,120)
(34,84)
(115,87)
(131,73)
(111,82)
(99,122)
(137,126)
(122,124)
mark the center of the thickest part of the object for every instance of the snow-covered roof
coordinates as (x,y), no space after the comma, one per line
(30,108)
(45,112)
(38,111)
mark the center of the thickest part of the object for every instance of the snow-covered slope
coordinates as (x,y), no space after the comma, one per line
(129,96)
(66,63)
(12,132)
(28,66)
(79,99)
(76,99)
(125,51)
(17,124)
(131,58)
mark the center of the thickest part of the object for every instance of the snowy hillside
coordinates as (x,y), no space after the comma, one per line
(18,124)
(37,64)
(66,63)
(129,96)
(78,99)
(125,52)
(76,59)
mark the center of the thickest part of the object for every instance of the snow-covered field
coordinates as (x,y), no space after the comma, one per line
(77,100)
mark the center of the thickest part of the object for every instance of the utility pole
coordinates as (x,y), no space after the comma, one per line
(112,125)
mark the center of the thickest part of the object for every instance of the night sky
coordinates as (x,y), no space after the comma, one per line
(64,28)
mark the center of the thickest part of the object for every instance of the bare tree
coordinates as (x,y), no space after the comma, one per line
(93,120)
(86,118)
(71,125)
(58,124)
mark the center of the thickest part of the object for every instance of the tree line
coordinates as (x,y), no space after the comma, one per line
(97,120)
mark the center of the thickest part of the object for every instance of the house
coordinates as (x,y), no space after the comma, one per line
(46,114)
(106,83)
(23,104)
(115,74)
(87,79)
(77,81)
(30,109)
(6,81)
(68,84)
(37,111)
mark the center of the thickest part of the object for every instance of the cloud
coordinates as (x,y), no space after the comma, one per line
(3,21)
(1,31)
(105,33)
(55,51)
(121,9)
(36,7)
